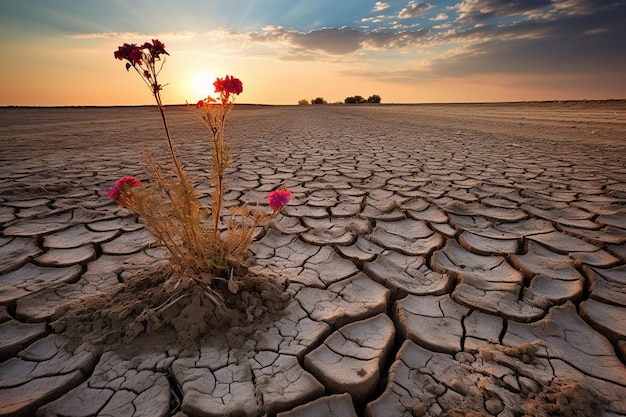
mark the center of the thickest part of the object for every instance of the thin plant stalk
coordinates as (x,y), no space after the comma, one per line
(214,118)
(143,59)
(179,169)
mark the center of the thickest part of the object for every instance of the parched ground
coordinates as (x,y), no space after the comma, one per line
(441,260)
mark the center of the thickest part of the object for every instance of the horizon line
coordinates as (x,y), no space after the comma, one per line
(327,104)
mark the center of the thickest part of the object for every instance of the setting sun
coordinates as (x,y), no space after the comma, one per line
(201,84)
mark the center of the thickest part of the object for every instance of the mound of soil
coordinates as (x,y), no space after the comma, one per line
(149,311)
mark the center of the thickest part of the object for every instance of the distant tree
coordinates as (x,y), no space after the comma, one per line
(374,99)
(318,100)
(303,102)
(354,100)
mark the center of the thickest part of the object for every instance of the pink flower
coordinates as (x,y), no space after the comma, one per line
(114,193)
(228,85)
(277,199)
(121,190)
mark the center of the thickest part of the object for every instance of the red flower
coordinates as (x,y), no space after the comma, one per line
(155,48)
(121,191)
(228,85)
(158,47)
(127,182)
(130,52)
(278,199)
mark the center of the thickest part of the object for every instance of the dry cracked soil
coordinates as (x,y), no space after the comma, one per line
(436,260)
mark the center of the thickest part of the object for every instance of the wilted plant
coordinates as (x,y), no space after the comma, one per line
(203,246)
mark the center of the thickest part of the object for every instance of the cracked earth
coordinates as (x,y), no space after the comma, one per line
(443,260)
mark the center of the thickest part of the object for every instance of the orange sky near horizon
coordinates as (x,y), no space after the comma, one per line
(460,59)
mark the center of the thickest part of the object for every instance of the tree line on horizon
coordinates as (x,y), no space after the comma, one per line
(374,98)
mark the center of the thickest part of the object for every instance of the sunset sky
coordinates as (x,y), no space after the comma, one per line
(60,52)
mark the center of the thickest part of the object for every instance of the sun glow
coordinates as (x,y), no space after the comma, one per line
(202,84)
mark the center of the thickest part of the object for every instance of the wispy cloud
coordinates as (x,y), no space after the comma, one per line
(413,9)
(582,7)
(132,35)
(480,10)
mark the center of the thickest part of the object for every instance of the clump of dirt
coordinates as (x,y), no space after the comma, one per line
(525,352)
(542,396)
(563,399)
(148,312)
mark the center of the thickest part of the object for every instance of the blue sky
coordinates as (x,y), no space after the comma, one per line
(286,50)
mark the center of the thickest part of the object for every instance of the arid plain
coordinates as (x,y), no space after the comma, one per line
(439,260)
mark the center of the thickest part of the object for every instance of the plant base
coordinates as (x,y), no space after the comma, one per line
(148,305)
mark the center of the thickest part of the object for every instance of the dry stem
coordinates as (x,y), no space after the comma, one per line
(189,230)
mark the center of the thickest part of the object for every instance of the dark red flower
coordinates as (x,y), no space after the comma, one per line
(158,47)
(130,52)
(228,85)
(135,56)
(155,48)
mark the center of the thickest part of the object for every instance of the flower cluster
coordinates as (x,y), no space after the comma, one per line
(144,60)
(137,55)
(227,87)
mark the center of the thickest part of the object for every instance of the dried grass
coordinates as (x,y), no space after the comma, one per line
(202,250)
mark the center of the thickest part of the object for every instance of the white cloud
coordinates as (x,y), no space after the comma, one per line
(380,6)
(440,16)
(376,19)
(398,26)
